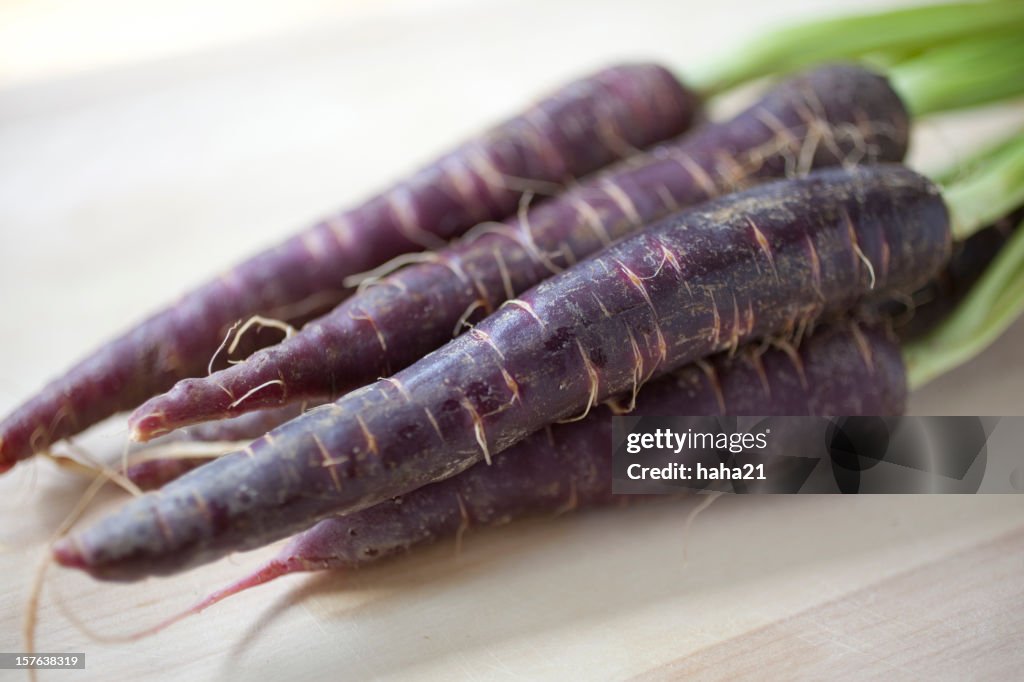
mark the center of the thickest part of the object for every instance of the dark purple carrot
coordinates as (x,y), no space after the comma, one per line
(832,115)
(166,458)
(244,427)
(750,265)
(151,474)
(575,131)
(841,369)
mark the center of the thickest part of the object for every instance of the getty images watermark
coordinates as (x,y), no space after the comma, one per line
(819,454)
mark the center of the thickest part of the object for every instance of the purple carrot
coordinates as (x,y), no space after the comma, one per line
(750,265)
(832,115)
(578,129)
(151,472)
(842,369)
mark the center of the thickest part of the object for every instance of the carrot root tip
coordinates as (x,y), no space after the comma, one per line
(6,461)
(146,427)
(67,554)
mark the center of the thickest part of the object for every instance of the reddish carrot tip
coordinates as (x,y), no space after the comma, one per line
(5,465)
(67,554)
(145,427)
(275,568)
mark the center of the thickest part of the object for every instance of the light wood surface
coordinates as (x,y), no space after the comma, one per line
(144,147)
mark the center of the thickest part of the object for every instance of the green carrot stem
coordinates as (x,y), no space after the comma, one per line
(972,72)
(995,302)
(897,32)
(992,190)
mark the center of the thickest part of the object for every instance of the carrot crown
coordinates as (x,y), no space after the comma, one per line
(993,186)
(995,302)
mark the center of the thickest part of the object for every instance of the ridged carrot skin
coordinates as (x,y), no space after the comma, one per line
(841,369)
(748,266)
(575,131)
(832,115)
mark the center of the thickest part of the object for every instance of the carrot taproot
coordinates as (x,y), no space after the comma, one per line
(151,474)
(578,129)
(845,368)
(829,116)
(750,265)
(148,469)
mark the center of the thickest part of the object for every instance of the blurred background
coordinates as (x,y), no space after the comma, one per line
(146,146)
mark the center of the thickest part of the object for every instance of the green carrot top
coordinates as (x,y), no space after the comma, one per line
(939,57)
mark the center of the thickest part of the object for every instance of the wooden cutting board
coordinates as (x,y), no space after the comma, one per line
(137,162)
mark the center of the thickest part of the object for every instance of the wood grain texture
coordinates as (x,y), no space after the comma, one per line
(129,171)
(949,619)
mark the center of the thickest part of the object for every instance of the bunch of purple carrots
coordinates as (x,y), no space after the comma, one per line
(606,250)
